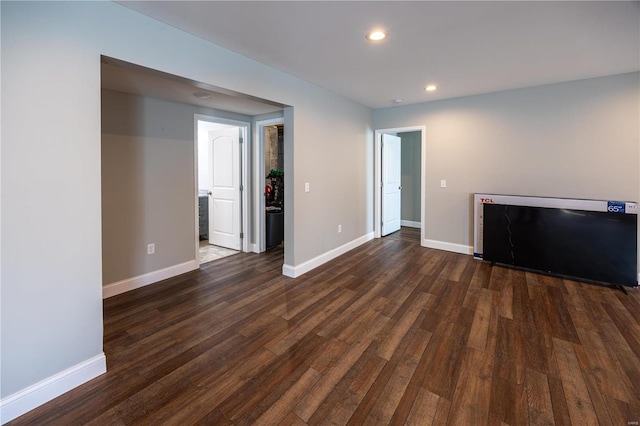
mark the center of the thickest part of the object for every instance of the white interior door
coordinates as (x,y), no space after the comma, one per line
(391,188)
(224,200)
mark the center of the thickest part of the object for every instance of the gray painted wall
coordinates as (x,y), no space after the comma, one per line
(577,140)
(51,310)
(410,166)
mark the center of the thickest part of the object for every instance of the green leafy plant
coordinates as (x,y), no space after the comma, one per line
(276,196)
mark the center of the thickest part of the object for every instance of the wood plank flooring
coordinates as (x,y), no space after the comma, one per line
(389,333)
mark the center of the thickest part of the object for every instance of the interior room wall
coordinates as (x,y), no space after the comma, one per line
(270,149)
(148,183)
(204,177)
(338,166)
(411,153)
(578,139)
(51,310)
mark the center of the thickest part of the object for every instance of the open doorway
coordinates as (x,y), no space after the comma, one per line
(220,187)
(269,183)
(150,198)
(399,173)
(274,186)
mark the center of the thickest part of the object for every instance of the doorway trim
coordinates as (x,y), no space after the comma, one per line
(259,224)
(244,196)
(377,177)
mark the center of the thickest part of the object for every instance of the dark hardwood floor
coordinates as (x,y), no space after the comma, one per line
(389,333)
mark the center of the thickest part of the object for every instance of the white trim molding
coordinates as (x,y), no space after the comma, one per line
(123,286)
(23,401)
(296,271)
(289,271)
(410,224)
(442,245)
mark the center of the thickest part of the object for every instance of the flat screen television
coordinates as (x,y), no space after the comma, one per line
(587,245)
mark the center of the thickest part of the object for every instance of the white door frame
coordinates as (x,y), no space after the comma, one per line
(244,196)
(259,225)
(377,177)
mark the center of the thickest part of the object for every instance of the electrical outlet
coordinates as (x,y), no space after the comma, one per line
(151,248)
(306,187)
(339,229)
(443,183)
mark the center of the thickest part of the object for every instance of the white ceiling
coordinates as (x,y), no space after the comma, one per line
(464,47)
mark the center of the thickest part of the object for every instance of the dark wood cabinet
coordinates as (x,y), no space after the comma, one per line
(203,216)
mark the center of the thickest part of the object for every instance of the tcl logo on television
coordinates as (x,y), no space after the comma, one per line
(486,200)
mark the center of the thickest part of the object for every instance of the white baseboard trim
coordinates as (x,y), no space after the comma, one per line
(33,396)
(442,245)
(296,271)
(123,286)
(254,248)
(288,271)
(410,224)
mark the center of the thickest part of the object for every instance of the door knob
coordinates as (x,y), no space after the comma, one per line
(399,187)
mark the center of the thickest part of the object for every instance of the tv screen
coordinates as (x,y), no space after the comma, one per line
(588,245)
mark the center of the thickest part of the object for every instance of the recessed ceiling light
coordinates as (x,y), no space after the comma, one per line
(376,35)
(430,88)
(201,95)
